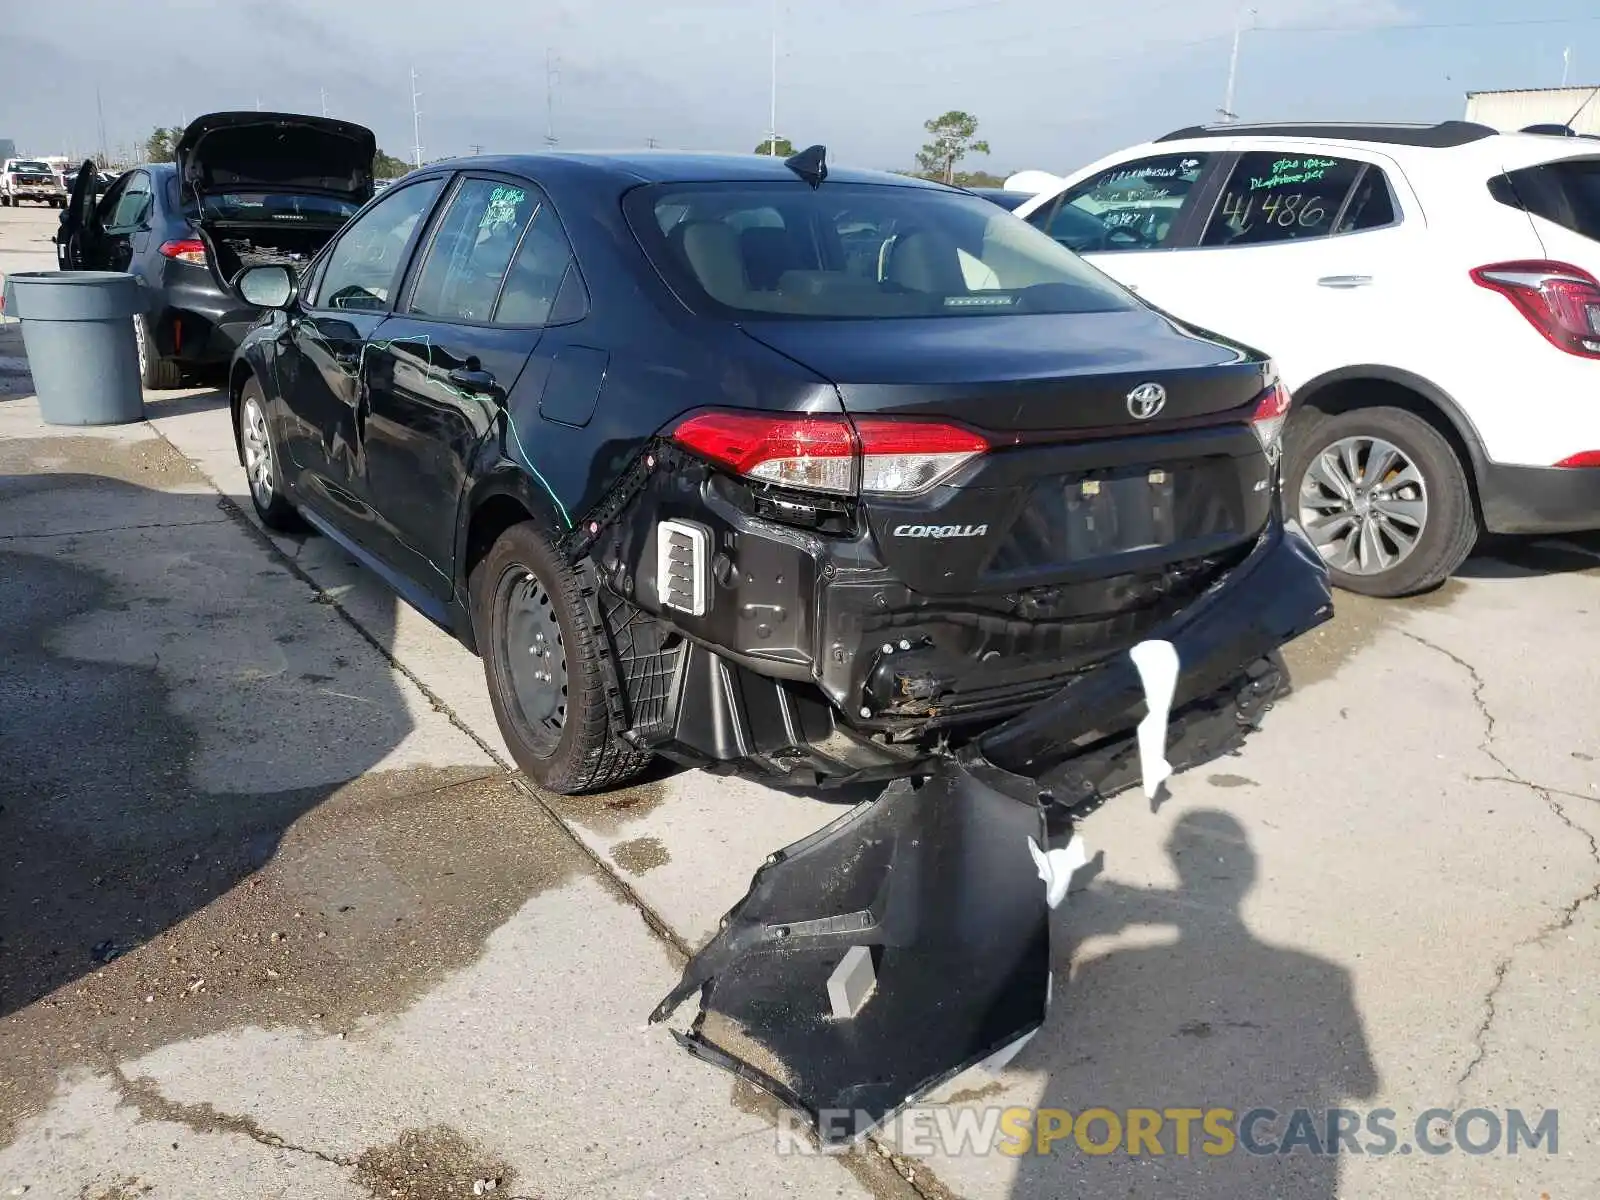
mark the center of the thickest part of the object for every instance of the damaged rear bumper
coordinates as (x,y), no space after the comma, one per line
(910,940)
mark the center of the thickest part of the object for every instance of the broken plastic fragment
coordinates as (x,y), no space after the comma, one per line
(1056,867)
(1157,664)
(930,881)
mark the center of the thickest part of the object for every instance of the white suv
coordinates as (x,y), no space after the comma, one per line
(1429,294)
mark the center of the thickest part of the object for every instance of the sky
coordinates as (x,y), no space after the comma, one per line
(1054,84)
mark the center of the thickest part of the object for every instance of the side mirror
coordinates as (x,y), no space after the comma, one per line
(267,286)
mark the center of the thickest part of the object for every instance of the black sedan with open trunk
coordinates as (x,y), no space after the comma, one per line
(244,188)
(814,475)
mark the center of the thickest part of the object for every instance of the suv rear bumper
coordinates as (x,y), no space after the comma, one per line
(1539,499)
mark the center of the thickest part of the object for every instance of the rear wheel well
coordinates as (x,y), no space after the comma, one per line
(1344,395)
(490,519)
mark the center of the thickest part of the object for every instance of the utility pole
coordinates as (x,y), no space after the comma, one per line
(416,122)
(1233,66)
(105,150)
(550,63)
(772,112)
(1566,64)
(474,148)
(650,142)
(324,94)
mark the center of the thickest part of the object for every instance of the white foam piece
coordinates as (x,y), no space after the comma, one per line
(1157,664)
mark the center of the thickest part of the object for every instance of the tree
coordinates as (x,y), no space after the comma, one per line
(161,144)
(954,137)
(781,147)
(387,166)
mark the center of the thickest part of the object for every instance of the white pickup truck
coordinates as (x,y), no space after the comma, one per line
(29,179)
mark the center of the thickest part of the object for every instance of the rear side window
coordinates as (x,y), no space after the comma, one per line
(472,249)
(1276,197)
(1131,206)
(1567,193)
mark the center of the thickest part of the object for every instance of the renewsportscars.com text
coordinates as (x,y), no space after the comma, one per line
(925,1131)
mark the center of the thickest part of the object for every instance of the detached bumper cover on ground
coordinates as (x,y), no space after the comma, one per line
(939,881)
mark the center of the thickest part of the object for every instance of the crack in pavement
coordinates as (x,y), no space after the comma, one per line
(145,1097)
(63,533)
(1569,913)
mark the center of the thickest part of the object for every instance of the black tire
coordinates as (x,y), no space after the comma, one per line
(155,373)
(269,501)
(1449,523)
(523,596)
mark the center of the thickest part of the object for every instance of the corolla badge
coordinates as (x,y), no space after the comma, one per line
(1146,400)
(940,531)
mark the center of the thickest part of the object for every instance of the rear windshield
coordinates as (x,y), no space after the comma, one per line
(29,167)
(270,207)
(858,250)
(1566,192)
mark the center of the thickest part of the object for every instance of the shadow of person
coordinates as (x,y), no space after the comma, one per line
(1213,1018)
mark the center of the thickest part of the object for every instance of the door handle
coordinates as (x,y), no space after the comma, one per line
(472,381)
(1344,281)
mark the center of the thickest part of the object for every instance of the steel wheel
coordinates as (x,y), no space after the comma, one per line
(1364,504)
(257,446)
(535,657)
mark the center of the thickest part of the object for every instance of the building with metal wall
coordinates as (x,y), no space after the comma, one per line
(1577,107)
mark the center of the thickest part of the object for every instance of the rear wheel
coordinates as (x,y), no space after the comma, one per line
(542,661)
(261,463)
(155,373)
(1384,498)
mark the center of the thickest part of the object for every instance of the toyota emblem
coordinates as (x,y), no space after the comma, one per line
(1146,400)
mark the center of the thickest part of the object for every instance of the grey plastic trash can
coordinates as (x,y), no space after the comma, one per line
(77,329)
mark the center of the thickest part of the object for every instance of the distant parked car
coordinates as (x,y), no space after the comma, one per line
(32,180)
(1432,294)
(247,188)
(1007,200)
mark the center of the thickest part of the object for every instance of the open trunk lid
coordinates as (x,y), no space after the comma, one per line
(1120,444)
(276,152)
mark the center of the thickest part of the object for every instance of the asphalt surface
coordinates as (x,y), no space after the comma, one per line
(276,919)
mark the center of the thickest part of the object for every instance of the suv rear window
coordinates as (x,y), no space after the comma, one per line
(857,250)
(1565,192)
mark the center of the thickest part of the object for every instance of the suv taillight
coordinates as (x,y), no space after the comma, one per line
(1272,410)
(189,250)
(832,454)
(1561,301)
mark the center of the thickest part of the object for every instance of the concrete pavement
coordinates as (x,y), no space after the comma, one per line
(366,948)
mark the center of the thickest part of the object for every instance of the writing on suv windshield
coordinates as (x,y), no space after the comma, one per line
(858,250)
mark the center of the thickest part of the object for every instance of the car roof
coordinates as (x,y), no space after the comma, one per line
(1439,136)
(671,166)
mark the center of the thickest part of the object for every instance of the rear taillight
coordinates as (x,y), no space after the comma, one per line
(1560,300)
(189,250)
(1584,458)
(830,454)
(1272,410)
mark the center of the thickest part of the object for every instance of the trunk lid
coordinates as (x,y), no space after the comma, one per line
(276,152)
(1082,482)
(1023,377)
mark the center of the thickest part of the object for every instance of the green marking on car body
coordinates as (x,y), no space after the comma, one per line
(423,339)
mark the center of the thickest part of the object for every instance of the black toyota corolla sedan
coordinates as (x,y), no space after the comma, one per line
(813,474)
